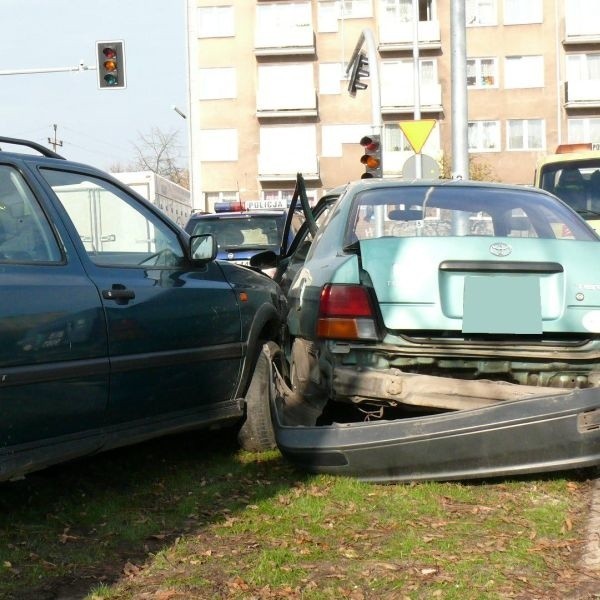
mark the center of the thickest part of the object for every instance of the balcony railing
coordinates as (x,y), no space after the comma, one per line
(291,102)
(401,99)
(398,35)
(580,28)
(582,93)
(296,39)
(285,166)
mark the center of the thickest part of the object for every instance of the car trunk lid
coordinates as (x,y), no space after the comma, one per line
(463,285)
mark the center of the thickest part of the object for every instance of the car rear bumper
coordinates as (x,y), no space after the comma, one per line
(545,433)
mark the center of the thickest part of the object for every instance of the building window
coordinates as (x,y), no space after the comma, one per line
(394,139)
(482,72)
(402,10)
(285,196)
(215,21)
(520,12)
(217,84)
(583,67)
(584,130)
(218,145)
(328,13)
(211,198)
(284,24)
(356,9)
(330,76)
(484,136)
(525,134)
(524,71)
(480,12)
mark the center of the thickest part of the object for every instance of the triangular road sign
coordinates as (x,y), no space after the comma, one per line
(417,132)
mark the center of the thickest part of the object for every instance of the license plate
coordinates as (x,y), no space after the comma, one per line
(242,262)
(502,304)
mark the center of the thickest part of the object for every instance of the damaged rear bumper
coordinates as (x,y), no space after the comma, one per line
(536,434)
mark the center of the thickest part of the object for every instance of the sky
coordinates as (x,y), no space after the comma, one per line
(97,126)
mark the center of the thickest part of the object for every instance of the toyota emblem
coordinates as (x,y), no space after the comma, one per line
(500,249)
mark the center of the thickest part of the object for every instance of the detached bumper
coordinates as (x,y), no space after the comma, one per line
(545,433)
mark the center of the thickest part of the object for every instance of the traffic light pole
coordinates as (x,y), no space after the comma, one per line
(79,67)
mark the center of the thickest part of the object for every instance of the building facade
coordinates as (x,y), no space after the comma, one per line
(269,98)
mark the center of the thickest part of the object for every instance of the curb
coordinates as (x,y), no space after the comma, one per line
(590,559)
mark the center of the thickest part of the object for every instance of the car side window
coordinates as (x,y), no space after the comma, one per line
(115,229)
(25,233)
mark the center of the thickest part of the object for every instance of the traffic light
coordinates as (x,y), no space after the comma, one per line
(360,70)
(111,64)
(371,157)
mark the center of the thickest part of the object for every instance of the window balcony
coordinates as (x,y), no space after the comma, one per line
(285,41)
(397,35)
(580,27)
(285,166)
(401,99)
(281,102)
(582,93)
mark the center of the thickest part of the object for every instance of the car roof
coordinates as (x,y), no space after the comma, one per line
(364,184)
(240,215)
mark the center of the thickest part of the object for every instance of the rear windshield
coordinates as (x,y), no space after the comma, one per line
(575,182)
(455,211)
(242,231)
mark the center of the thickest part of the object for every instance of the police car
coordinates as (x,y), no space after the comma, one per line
(241,233)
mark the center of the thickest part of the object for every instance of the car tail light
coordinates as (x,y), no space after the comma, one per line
(346,313)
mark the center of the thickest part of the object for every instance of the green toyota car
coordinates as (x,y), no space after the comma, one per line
(116,325)
(439,330)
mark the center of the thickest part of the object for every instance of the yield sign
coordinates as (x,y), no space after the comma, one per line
(417,132)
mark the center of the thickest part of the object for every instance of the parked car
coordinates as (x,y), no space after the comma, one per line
(116,325)
(440,330)
(241,234)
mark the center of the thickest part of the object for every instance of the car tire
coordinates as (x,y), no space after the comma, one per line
(256,433)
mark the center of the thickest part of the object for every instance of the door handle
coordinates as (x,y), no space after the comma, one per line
(120,294)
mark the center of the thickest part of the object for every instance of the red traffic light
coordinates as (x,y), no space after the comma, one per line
(369,144)
(109,52)
(372,156)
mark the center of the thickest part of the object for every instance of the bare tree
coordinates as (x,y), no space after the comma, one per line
(159,151)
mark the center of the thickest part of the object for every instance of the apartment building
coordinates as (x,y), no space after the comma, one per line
(269,99)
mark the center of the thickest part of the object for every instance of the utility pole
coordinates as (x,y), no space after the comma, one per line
(460,145)
(54,143)
(417,83)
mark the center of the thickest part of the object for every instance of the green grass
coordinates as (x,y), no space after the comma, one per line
(193,517)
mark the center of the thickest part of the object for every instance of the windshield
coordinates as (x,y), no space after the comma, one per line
(576,183)
(243,230)
(455,211)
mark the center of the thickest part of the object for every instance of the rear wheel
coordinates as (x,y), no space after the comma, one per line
(256,434)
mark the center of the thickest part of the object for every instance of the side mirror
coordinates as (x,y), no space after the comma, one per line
(264,260)
(203,248)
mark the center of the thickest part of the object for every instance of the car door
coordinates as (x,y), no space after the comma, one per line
(295,248)
(173,331)
(54,370)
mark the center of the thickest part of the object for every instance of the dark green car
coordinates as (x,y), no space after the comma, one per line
(117,326)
